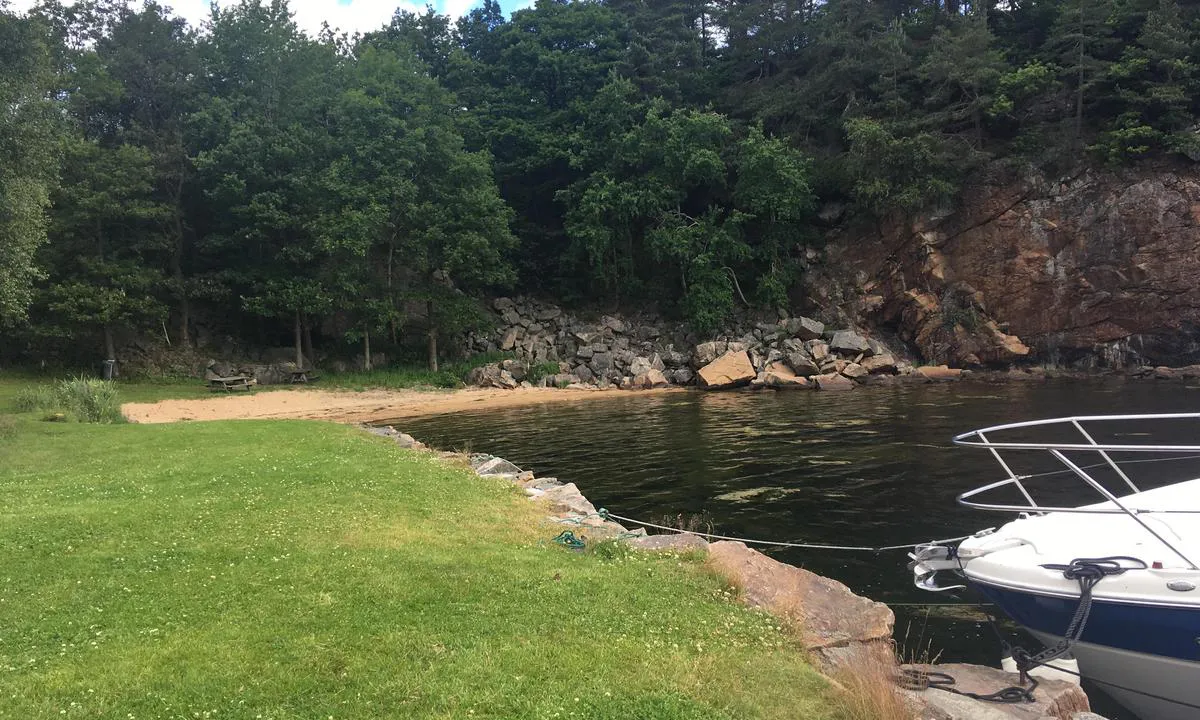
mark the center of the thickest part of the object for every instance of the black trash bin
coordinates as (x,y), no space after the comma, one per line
(109,371)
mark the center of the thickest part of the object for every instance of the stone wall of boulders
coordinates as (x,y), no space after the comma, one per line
(555,348)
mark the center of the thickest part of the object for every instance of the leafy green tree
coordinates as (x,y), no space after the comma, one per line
(106,235)
(269,121)
(409,200)
(662,192)
(895,173)
(29,132)
(152,57)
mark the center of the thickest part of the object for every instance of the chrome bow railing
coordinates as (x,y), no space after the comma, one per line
(1083,441)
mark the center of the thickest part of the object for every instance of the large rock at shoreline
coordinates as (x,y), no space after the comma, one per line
(824,612)
(779,375)
(733,369)
(939,373)
(650,379)
(1056,699)
(833,381)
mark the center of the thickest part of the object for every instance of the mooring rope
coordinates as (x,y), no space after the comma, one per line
(604,514)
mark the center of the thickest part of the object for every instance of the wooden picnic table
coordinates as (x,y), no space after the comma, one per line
(231,383)
(303,376)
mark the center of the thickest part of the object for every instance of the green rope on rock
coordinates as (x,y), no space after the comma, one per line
(566,538)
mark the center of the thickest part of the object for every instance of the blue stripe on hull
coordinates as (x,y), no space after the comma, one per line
(1156,630)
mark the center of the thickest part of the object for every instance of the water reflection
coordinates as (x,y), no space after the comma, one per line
(870,467)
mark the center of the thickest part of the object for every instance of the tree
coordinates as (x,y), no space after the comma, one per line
(1155,83)
(961,70)
(153,59)
(269,119)
(106,238)
(406,198)
(29,131)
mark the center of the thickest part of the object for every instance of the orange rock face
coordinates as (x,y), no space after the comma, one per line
(1029,262)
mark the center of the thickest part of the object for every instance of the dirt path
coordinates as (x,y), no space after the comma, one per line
(354,407)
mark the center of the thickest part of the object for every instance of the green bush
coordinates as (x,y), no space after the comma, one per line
(36,397)
(91,400)
(541,370)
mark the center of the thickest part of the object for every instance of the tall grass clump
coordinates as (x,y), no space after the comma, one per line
(868,691)
(32,398)
(91,400)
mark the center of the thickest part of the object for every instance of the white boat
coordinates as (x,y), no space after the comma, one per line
(1139,638)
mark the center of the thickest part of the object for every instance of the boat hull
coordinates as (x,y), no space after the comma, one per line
(1146,656)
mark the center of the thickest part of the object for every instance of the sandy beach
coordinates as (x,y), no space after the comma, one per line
(355,407)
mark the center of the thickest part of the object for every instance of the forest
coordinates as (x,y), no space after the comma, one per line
(244,180)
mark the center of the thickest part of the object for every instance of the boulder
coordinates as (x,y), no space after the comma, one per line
(779,375)
(849,342)
(585,352)
(615,324)
(601,362)
(584,373)
(502,303)
(802,364)
(709,351)
(818,350)
(802,328)
(639,365)
(548,314)
(516,368)
(939,373)
(1056,699)
(650,379)
(511,317)
(854,371)
(668,543)
(681,376)
(496,466)
(833,381)
(882,363)
(732,369)
(491,376)
(567,498)
(823,612)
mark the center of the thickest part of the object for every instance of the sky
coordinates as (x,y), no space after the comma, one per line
(346,15)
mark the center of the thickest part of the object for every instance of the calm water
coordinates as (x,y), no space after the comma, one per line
(872,467)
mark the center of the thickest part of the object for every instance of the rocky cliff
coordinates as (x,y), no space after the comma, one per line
(1099,269)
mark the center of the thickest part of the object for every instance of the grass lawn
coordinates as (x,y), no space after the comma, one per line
(306,570)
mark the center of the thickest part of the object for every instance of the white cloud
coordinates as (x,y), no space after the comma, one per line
(354,16)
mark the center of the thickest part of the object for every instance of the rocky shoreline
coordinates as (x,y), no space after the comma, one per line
(844,633)
(553,348)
